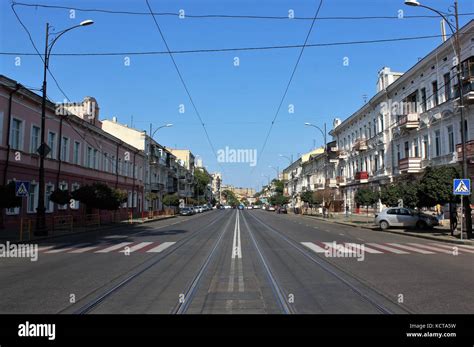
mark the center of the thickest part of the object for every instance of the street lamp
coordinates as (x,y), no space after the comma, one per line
(323,132)
(276,169)
(152,134)
(40,229)
(290,160)
(457,52)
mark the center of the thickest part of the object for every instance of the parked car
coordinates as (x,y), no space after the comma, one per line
(193,210)
(198,209)
(405,218)
(282,209)
(249,207)
(271,208)
(241,207)
(186,211)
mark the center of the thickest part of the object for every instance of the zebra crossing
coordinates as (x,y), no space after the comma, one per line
(392,248)
(103,248)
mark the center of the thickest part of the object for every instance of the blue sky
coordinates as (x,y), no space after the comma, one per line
(237,104)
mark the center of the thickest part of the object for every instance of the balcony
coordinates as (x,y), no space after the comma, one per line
(342,155)
(333,157)
(318,186)
(410,165)
(157,187)
(409,121)
(469,151)
(362,176)
(360,145)
(341,181)
(331,182)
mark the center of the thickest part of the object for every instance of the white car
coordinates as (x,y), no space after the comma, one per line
(198,209)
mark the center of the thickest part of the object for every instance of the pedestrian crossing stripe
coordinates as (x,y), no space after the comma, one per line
(462,186)
(103,248)
(395,248)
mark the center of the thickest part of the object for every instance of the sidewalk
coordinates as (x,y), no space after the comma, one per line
(14,235)
(440,233)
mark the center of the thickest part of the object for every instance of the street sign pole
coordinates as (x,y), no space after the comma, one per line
(462,214)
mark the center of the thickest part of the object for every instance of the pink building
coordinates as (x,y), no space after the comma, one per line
(81,153)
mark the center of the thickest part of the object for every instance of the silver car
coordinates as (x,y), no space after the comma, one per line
(405,218)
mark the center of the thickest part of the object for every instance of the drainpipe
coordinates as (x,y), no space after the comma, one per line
(5,171)
(133,183)
(116,166)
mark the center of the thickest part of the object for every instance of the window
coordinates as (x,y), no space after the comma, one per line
(370,130)
(426,147)
(398,153)
(35,139)
(447,86)
(95,159)
(416,150)
(114,165)
(16,134)
(62,186)
(119,166)
(74,205)
(423,99)
(437,143)
(32,202)
(393,211)
(434,86)
(451,148)
(77,152)
(49,205)
(382,158)
(65,149)
(89,157)
(375,127)
(376,163)
(52,145)
(381,123)
(407,149)
(106,162)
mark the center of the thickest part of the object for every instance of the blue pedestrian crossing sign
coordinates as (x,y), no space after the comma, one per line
(462,186)
(22,188)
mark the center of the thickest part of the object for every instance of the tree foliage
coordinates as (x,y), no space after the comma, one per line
(60,197)
(366,197)
(171,200)
(100,196)
(8,198)
(436,186)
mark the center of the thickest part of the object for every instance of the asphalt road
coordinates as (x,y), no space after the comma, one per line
(234,262)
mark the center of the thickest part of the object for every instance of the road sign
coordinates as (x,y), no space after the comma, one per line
(44,149)
(22,188)
(462,186)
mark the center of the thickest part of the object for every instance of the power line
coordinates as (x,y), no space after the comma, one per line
(230,16)
(218,50)
(290,80)
(183,83)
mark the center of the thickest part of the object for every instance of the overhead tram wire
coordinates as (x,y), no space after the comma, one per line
(227,16)
(184,84)
(235,49)
(289,82)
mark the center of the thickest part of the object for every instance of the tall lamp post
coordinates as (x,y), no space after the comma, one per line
(152,134)
(40,229)
(277,170)
(457,52)
(323,132)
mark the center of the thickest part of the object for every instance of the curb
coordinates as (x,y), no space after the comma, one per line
(428,237)
(106,227)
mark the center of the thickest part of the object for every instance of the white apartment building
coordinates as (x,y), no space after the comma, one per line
(413,121)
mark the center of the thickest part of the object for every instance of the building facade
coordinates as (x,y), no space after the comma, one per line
(81,153)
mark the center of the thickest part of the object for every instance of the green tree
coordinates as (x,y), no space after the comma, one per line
(279,186)
(171,200)
(390,194)
(8,199)
(436,186)
(307,197)
(60,197)
(366,197)
(99,196)
(201,180)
